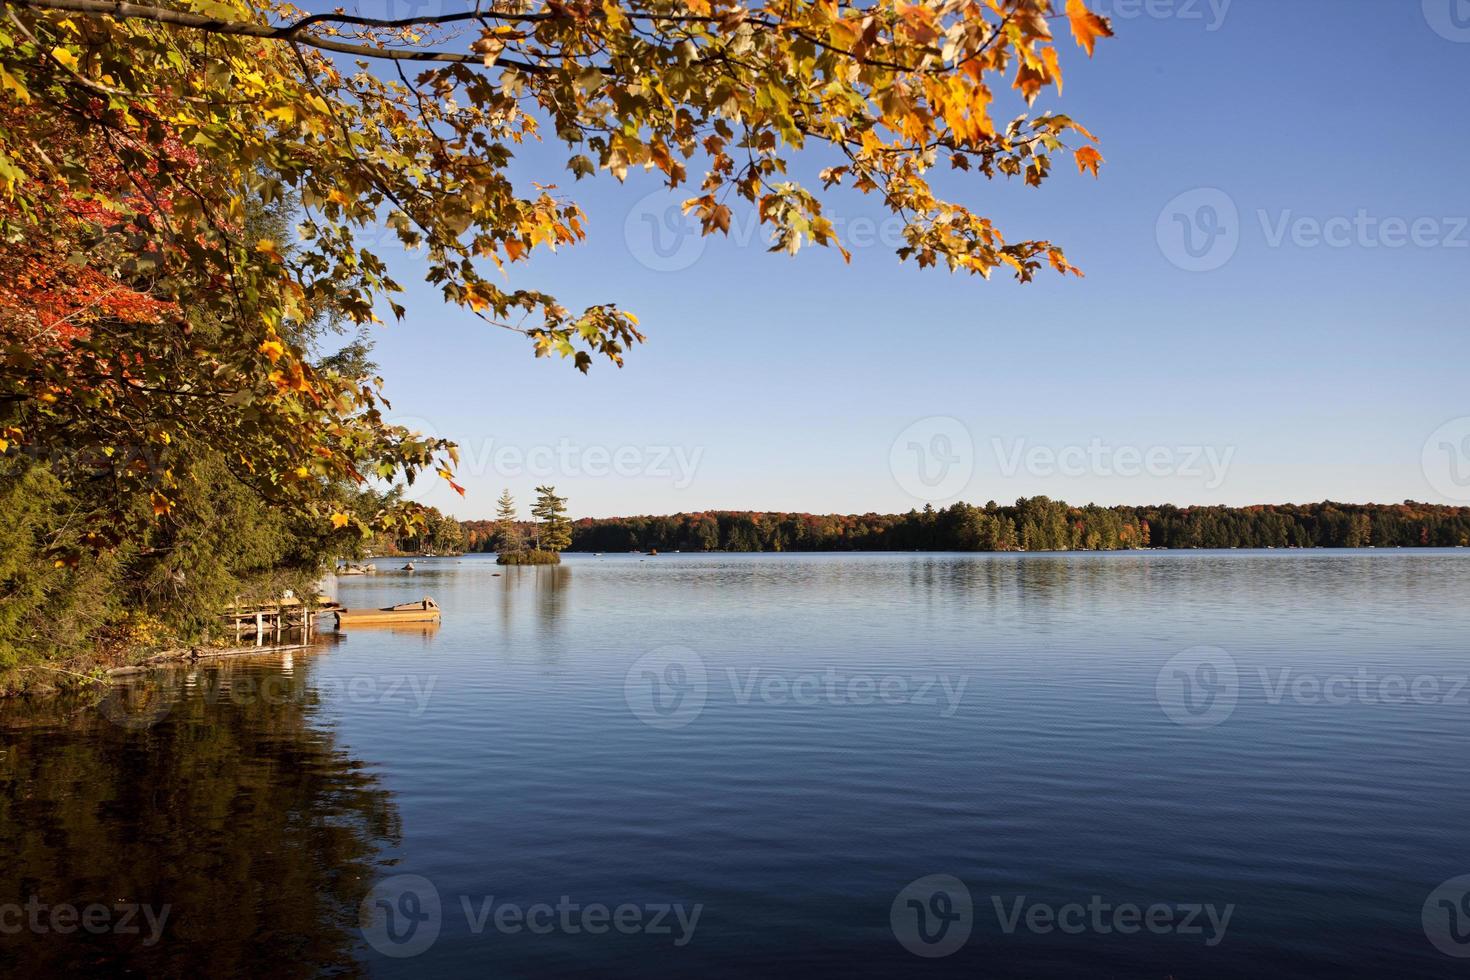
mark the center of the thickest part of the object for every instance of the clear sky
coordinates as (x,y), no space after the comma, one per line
(1275,308)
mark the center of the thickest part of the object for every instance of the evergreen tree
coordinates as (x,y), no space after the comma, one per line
(553,529)
(506,529)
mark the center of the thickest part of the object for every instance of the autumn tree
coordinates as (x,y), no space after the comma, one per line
(152,310)
(553,529)
(145,130)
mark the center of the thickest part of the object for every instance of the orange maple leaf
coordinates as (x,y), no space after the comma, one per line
(1087,159)
(1087,26)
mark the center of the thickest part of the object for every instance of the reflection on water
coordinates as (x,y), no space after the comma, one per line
(746,735)
(203,825)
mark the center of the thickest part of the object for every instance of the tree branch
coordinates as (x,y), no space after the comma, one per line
(287,32)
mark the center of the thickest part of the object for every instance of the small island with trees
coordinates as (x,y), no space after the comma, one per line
(550,533)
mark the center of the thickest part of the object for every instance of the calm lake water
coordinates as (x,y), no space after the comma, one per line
(1137,765)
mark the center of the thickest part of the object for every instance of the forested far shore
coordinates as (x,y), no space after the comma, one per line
(1030,524)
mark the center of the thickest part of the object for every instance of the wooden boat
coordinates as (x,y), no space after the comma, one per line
(426,610)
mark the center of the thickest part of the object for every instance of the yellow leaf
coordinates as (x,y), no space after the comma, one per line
(340,520)
(64,56)
(268,248)
(10,83)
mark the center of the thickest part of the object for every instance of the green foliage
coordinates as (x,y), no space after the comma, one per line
(1040,524)
(529,556)
(48,610)
(218,542)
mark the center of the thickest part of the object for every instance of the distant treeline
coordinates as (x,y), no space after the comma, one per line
(1033,524)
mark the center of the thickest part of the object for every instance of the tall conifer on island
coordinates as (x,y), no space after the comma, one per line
(553,529)
(508,533)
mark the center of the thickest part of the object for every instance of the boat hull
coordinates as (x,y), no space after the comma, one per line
(374,617)
(426,611)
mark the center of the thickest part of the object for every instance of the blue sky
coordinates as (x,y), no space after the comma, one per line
(1306,341)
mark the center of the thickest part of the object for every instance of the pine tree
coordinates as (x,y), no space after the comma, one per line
(508,532)
(553,530)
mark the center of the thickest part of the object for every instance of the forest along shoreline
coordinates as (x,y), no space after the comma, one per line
(83,625)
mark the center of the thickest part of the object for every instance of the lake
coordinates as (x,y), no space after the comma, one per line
(1127,764)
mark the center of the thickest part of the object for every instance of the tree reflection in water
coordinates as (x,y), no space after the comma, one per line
(216,793)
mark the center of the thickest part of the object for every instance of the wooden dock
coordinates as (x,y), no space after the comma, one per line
(270,622)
